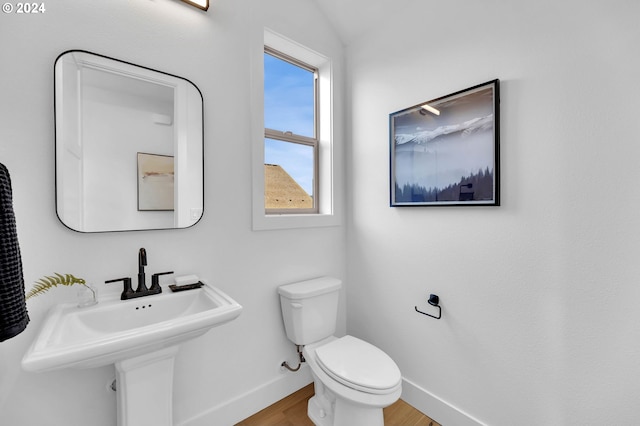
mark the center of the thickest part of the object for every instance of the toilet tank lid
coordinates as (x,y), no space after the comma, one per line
(310,288)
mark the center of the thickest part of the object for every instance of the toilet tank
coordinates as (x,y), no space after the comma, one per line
(310,309)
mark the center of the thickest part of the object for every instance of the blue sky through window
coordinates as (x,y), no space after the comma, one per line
(289,106)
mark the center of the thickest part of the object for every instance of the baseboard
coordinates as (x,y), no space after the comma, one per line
(242,406)
(245,405)
(434,407)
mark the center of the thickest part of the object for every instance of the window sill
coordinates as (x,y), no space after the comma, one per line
(292,221)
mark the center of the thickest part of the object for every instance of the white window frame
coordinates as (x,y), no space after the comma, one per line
(326,215)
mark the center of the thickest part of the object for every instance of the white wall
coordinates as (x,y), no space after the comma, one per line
(212,49)
(540,296)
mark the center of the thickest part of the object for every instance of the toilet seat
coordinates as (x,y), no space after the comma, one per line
(358,365)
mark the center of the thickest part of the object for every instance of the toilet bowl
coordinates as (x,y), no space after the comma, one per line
(354,380)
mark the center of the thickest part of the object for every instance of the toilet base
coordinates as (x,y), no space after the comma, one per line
(324,409)
(318,415)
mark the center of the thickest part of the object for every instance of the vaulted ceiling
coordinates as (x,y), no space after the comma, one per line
(354,18)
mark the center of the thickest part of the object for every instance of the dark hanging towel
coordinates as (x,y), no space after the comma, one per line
(13,307)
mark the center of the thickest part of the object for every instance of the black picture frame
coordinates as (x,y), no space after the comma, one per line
(446,151)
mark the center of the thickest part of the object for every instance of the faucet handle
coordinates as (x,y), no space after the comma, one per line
(155,282)
(127,291)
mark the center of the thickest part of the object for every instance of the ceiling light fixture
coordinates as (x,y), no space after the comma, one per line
(430,109)
(200,4)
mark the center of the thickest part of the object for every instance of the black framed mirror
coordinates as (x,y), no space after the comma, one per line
(129,146)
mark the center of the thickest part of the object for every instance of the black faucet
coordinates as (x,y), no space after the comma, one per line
(142,262)
(142,290)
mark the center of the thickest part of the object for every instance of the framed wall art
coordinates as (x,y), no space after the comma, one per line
(445,152)
(155,182)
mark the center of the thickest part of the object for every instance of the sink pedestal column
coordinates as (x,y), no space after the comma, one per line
(145,388)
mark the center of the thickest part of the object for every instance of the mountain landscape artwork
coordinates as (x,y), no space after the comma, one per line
(445,151)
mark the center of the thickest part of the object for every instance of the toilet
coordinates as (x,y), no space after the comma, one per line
(353,379)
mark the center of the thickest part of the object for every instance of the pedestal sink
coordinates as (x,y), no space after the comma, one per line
(140,336)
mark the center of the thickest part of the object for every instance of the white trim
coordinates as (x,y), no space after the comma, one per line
(436,408)
(245,405)
(326,194)
(242,406)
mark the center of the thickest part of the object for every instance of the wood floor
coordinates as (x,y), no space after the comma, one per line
(292,411)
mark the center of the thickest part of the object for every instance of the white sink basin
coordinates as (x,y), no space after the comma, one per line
(115,330)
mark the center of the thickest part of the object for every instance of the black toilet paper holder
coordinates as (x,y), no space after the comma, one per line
(434,300)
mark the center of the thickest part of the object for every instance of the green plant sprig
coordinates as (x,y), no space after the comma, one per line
(47,282)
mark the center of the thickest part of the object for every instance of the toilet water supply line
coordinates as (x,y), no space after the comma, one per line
(285,364)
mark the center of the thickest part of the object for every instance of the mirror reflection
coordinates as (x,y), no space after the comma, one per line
(129,146)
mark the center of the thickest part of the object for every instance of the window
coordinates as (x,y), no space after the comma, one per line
(290,135)
(293,136)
